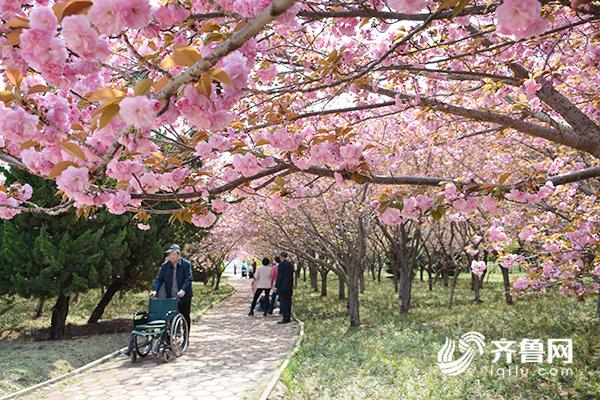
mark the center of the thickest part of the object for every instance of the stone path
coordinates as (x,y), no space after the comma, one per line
(231,356)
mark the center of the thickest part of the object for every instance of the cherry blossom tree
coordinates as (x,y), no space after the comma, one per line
(483,110)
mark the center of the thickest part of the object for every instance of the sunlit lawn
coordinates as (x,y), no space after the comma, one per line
(24,363)
(394,356)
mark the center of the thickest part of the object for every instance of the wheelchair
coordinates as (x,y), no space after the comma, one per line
(162,331)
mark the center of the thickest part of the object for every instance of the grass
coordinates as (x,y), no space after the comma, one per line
(394,356)
(24,363)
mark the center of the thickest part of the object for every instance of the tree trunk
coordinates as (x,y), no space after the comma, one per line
(445,275)
(218,281)
(59,317)
(598,305)
(453,288)
(323,273)
(361,280)
(506,282)
(353,303)
(297,274)
(106,298)
(342,288)
(312,271)
(303,273)
(39,308)
(476,284)
(405,289)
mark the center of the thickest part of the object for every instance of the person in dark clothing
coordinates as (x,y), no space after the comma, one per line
(284,286)
(176,276)
(274,279)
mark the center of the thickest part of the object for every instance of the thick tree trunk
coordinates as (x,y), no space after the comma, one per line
(312,271)
(506,281)
(476,284)
(341,288)
(598,305)
(361,280)
(353,302)
(297,274)
(218,281)
(405,290)
(110,291)
(39,308)
(324,272)
(59,317)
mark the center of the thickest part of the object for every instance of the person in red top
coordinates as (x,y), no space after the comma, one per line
(273,280)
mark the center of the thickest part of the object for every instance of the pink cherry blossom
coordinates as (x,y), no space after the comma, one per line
(204,220)
(520,18)
(203,149)
(43,19)
(521,283)
(247,165)
(43,52)
(391,216)
(531,87)
(82,38)
(275,203)
(424,202)
(139,111)
(143,227)
(17,124)
(107,16)
(350,155)
(478,267)
(409,6)
(282,140)
(219,205)
(73,181)
(496,234)
(118,202)
(301,163)
(135,13)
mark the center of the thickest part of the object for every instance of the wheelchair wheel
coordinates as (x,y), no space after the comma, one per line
(143,344)
(178,335)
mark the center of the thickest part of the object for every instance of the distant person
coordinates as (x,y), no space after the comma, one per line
(244,270)
(234,268)
(176,276)
(262,280)
(252,270)
(273,280)
(284,286)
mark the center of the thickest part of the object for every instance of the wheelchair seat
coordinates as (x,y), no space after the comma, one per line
(162,330)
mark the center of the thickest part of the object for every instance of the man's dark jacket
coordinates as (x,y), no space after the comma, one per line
(184,278)
(285,276)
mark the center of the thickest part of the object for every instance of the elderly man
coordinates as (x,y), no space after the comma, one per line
(176,274)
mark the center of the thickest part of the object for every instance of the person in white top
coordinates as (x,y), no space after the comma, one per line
(262,279)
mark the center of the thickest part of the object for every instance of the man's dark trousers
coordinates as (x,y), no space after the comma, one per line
(184,309)
(285,302)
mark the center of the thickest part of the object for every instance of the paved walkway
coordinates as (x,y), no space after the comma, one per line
(231,356)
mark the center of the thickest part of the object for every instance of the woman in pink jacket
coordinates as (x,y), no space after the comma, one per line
(262,280)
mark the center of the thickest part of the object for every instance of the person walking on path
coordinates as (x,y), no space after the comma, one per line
(176,276)
(273,280)
(284,285)
(262,278)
